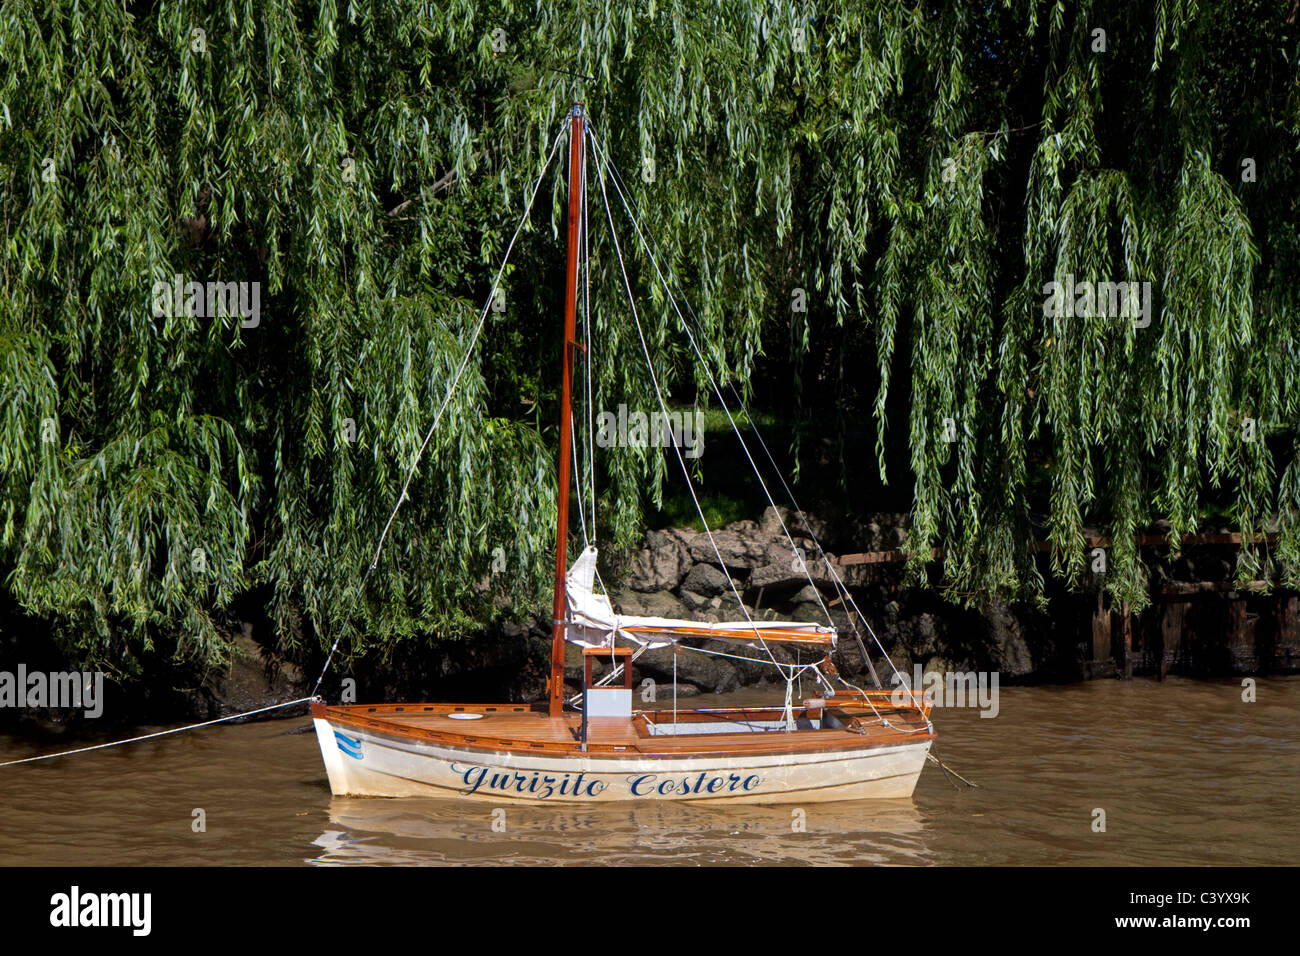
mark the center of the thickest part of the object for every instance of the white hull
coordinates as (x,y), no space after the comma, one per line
(363,763)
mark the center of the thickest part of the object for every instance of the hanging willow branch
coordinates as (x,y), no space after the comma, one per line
(921,173)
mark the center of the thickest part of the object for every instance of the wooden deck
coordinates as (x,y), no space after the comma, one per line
(519,728)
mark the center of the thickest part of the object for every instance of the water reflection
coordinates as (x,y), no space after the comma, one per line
(381,831)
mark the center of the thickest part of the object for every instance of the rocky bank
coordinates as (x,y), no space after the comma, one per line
(1199,624)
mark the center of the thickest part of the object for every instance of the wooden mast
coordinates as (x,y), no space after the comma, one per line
(556,682)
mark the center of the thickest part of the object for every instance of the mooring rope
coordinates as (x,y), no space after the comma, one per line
(952,773)
(161,733)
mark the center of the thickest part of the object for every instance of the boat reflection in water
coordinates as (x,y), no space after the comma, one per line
(416,830)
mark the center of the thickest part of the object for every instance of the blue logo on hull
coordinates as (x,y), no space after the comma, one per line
(349,746)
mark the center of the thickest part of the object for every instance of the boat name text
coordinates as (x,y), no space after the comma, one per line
(542,785)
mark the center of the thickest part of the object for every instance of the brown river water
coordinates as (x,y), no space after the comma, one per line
(1186,772)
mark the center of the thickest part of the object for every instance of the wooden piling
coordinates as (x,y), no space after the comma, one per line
(1102,663)
(1241,636)
(1127,650)
(1172,624)
(1286,640)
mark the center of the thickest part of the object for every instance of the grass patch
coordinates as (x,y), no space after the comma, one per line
(679,511)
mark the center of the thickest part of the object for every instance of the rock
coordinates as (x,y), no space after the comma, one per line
(253,682)
(900,660)
(654,604)
(938,665)
(748,672)
(859,575)
(662,563)
(728,601)
(530,679)
(924,635)
(779,552)
(729,610)
(713,674)
(739,550)
(693,601)
(707,581)
(849,657)
(813,614)
(802,523)
(1010,652)
(897,533)
(1214,568)
(572,663)
(808,595)
(664,692)
(770,523)
(783,570)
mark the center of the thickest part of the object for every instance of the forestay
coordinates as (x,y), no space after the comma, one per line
(592,622)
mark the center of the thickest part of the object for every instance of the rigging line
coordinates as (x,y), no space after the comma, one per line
(794,669)
(672,300)
(841,589)
(713,383)
(586,327)
(374,562)
(884,721)
(577,477)
(870,703)
(821,678)
(573,434)
(161,733)
(609,214)
(789,672)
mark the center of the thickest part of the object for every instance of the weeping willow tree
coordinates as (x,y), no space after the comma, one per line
(913,176)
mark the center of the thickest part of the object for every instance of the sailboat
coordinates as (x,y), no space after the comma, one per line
(846,743)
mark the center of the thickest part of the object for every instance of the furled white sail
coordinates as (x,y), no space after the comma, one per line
(593,623)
